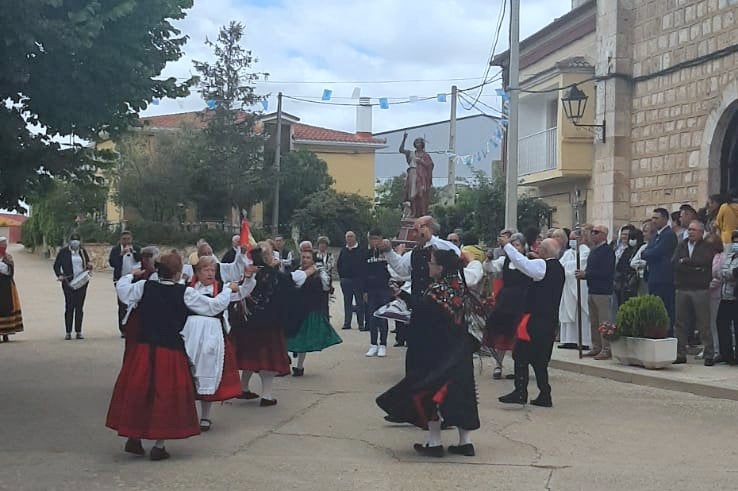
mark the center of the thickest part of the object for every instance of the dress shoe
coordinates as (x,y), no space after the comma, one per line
(561,346)
(514,397)
(591,353)
(680,360)
(497,375)
(248,395)
(267,402)
(298,372)
(133,445)
(542,401)
(391,419)
(80,336)
(709,362)
(346,328)
(205,424)
(603,355)
(399,345)
(363,329)
(67,337)
(428,451)
(466,450)
(159,453)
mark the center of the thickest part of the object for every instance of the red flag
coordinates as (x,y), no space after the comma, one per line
(245,234)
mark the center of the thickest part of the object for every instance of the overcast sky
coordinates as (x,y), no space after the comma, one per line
(335,41)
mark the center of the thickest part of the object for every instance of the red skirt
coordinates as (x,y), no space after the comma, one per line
(230,382)
(154,396)
(132,331)
(262,349)
(499,342)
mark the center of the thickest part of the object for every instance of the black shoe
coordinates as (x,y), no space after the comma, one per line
(399,345)
(542,401)
(345,328)
(514,397)
(268,402)
(709,362)
(465,450)
(67,337)
(298,372)
(393,331)
(79,336)
(363,329)
(205,425)
(436,451)
(568,346)
(133,445)
(247,395)
(680,360)
(496,375)
(158,453)
(391,419)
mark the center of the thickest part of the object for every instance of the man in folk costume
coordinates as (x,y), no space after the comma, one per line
(260,336)
(224,272)
(11,320)
(154,396)
(415,265)
(568,310)
(208,345)
(537,330)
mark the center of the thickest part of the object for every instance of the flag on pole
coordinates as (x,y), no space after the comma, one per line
(265,104)
(383,103)
(441,97)
(211,104)
(327,94)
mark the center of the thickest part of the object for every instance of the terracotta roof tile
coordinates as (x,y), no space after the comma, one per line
(316,133)
(12,219)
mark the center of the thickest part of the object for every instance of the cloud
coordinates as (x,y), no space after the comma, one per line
(335,40)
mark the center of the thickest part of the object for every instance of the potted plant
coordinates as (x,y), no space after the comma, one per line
(639,334)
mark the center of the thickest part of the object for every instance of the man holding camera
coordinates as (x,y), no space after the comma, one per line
(124,258)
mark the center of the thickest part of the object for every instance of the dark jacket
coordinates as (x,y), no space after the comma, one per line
(116,259)
(352,263)
(229,256)
(63,262)
(658,254)
(600,270)
(377,274)
(693,273)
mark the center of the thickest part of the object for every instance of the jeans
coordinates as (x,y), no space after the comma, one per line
(74,300)
(665,291)
(352,288)
(377,327)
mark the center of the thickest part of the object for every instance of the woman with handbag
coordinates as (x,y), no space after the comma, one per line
(72,268)
(441,383)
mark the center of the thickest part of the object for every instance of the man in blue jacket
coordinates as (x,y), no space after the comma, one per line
(658,254)
(599,274)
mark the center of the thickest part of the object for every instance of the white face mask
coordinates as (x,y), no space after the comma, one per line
(632,242)
(74,244)
(573,244)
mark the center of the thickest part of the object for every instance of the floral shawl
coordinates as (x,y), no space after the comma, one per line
(448,292)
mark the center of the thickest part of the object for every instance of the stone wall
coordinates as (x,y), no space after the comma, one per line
(674,115)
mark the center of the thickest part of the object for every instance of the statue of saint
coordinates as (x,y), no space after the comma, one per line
(419,177)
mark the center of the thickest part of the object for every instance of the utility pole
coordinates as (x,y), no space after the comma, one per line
(452,147)
(511,171)
(277,160)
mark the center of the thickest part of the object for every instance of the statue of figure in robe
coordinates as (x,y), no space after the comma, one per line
(419,179)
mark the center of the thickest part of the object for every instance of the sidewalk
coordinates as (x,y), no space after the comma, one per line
(719,381)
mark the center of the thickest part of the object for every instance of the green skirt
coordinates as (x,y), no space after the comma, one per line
(315,334)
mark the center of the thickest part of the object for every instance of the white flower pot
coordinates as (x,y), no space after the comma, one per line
(648,353)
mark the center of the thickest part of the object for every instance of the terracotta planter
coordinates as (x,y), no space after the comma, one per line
(647,353)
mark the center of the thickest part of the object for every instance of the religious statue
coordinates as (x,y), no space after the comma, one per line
(419,177)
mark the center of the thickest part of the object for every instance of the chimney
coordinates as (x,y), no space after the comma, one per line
(577,3)
(364,117)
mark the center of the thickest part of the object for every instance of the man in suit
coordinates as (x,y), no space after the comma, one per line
(123,259)
(658,254)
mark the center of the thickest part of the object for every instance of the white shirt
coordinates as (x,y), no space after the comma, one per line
(533,268)
(77,263)
(4,269)
(402,264)
(127,264)
(690,246)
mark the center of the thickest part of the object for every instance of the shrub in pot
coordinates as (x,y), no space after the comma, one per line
(643,317)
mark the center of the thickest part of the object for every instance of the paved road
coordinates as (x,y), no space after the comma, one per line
(326,432)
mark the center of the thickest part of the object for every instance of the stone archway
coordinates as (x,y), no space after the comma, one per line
(719,147)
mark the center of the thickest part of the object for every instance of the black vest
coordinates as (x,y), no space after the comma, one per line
(163,315)
(420,274)
(544,297)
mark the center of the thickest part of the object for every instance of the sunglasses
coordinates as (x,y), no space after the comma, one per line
(595,232)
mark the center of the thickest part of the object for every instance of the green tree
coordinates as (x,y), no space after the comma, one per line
(302,173)
(331,213)
(152,173)
(77,68)
(230,170)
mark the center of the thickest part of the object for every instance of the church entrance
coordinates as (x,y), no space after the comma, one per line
(729,154)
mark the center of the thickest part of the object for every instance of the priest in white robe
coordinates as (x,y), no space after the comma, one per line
(569,334)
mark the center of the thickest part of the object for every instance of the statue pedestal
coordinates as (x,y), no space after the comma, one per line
(407,234)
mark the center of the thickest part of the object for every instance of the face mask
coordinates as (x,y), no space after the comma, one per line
(632,242)
(74,244)
(573,244)
(734,248)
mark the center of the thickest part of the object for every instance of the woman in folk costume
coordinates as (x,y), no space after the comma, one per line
(261,345)
(509,305)
(569,334)
(442,383)
(316,332)
(11,320)
(154,396)
(208,345)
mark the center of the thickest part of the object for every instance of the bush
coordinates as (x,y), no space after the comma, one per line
(643,317)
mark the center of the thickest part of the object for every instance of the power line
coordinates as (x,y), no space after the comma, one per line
(490,56)
(338,82)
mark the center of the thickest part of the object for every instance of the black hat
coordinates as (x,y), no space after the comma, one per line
(74,236)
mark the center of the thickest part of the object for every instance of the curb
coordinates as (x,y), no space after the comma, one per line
(696,388)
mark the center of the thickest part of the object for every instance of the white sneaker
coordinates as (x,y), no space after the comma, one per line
(373,349)
(382,351)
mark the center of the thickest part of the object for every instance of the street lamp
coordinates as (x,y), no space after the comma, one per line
(575,103)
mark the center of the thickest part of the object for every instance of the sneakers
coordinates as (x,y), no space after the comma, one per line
(67,337)
(373,350)
(382,352)
(80,336)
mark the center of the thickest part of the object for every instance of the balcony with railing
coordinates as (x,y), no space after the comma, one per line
(538,152)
